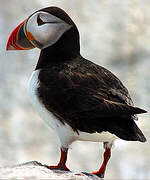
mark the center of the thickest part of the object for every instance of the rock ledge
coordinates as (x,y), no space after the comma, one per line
(35,170)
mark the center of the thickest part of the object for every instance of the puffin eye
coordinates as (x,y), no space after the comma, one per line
(40,21)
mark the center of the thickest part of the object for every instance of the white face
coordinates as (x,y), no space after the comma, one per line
(45,29)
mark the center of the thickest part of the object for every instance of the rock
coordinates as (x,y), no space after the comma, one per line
(35,170)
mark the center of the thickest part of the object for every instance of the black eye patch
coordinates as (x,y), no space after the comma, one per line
(40,21)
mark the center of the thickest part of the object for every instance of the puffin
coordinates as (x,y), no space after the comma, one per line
(78,99)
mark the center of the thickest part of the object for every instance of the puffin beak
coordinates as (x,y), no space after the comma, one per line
(18,39)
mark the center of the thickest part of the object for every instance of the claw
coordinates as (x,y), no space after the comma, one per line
(64,168)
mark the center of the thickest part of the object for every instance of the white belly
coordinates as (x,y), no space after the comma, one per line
(39,107)
(65,133)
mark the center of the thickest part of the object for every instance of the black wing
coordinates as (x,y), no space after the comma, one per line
(87,97)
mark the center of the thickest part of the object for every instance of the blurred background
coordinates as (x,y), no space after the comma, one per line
(114,34)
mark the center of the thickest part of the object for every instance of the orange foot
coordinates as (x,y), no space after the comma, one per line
(62,163)
(99,174)
(59,167)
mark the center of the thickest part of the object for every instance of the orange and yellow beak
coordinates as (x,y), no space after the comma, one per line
(19,39)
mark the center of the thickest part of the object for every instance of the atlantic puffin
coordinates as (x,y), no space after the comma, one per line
(78,99)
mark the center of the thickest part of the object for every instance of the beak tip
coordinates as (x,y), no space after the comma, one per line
(10,43)
(9,47)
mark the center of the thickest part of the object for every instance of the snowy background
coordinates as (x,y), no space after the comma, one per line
(114,34)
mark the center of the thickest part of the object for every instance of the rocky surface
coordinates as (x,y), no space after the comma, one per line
(35,170)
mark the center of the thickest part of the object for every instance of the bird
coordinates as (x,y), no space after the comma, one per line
(78,99)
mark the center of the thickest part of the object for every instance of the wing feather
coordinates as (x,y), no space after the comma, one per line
(86,96)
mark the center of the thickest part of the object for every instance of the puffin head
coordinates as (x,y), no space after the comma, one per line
(45,28)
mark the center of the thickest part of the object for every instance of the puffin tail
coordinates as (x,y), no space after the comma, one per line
(139,110)
(127,130)
(139,136)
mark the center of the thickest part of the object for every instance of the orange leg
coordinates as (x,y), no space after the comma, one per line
(101,171)
(62,163)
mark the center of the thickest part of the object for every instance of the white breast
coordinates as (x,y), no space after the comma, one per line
(65,133)
(33,86)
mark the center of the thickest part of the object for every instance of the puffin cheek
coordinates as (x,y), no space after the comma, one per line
(52,33)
